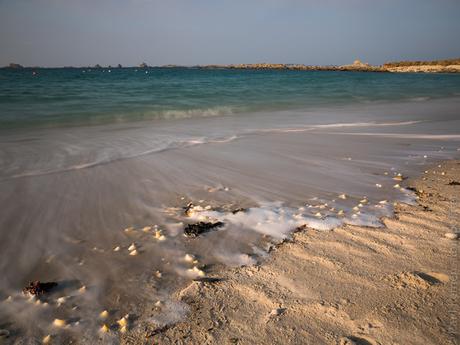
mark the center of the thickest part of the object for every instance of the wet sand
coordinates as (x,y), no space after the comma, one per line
(352,285)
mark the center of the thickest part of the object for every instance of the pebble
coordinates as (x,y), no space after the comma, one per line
(277,311)
(133,253)
(197,271)
(123,322)
(378,185)
(104,328)
(146,228)
(104,314)
(47,339)
(397,186)
(59,323)
(82,289)
(116,249)
(132,247)
(189,258)
(451,235)
(342,196)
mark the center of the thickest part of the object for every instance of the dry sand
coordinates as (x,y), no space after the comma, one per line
(352,285)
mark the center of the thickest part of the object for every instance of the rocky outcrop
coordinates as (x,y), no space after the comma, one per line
(15,66)
(440,66)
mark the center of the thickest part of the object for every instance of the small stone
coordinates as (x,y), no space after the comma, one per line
(277,311)
(451,235)
(104,314)
(133,253)
(132,247)
(104,328)
(47,339)
(59,323)
(123,322)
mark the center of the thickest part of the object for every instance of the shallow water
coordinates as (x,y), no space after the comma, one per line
(70,195)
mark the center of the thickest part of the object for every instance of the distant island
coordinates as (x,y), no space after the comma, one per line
(435,66)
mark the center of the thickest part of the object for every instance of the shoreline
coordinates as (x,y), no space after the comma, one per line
(350,285)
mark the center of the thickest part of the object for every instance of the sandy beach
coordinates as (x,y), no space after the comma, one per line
(351,285)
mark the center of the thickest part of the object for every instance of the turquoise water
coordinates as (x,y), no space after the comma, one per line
(56,97)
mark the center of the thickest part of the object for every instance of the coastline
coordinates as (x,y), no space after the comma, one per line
(436,66)
(351,285)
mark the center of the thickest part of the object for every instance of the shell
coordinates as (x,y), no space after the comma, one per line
(123,322)
(104,328)
(59,323)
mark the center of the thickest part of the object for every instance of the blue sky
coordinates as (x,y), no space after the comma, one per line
(86,32)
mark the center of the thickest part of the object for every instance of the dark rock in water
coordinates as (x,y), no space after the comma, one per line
(37,288)
(188,208)
(454,183)
(119,66)
(195,230)
(238,210)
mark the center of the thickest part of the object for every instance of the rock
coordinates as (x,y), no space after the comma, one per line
(37,288)
(143,65)
(277,311)
(238,210)
(451,235)
(194,230)
(15,66)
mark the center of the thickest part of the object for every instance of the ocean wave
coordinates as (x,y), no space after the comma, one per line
(190,113)
(179,143)
(407,135)
(337,125)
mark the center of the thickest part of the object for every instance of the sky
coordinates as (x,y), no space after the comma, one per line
(189,32)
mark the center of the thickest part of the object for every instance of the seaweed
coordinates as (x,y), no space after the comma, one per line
(37,288)
(196,229)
